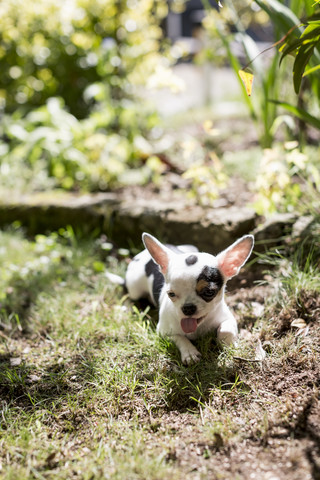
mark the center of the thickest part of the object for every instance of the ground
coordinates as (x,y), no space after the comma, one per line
(89,390)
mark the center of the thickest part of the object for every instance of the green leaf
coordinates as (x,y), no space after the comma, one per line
(315,17)
(311,70)
(300,63)
(300,113)
(281,15)
(311,34)
(98,267)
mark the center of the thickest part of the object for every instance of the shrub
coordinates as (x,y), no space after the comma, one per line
(50,148)
(60,48)
(70,72)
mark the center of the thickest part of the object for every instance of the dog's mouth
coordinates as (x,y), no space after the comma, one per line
(190,324)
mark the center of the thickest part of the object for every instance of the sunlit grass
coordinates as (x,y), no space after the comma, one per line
(89,390)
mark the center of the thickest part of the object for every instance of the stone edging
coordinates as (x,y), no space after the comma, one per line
(123,219)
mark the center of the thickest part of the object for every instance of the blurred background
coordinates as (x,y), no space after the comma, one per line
(103,95)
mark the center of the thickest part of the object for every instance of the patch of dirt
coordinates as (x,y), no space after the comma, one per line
(272,432)
(306,307)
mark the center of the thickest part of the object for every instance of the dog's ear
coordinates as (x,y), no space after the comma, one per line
(159,252)
(231,260)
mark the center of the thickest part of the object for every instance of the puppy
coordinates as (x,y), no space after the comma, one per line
(188,286)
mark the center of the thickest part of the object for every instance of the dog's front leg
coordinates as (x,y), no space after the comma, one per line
(227,331)
(189,353)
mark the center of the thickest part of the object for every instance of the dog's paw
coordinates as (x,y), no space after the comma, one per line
(227,338)
(189,357)
(227,332)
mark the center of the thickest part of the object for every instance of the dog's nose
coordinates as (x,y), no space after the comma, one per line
(189,309)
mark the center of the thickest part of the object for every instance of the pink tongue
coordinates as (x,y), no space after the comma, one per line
(188,324)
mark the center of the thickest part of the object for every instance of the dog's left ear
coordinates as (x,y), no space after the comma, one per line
(231,260)
(159,252)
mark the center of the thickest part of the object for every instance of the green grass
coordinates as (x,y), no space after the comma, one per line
(89,390)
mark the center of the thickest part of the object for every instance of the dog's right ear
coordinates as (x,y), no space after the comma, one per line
(159,252)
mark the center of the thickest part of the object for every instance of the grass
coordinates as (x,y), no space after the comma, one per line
(88,390)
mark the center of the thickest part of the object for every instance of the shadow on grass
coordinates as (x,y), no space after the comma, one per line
(185,388)
(58,395)
(24,386)
(23,292)
(194,387)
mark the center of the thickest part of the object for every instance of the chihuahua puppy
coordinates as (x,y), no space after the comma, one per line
(188,287)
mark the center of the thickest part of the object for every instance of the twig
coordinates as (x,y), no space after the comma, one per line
(248,360)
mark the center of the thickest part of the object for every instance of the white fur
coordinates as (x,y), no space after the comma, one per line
(182,280)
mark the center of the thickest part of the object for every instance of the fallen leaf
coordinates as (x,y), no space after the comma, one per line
(14,362)
(302,332)
(260,354)
(257,309)
(245,334)
(34,378)
(247,79)
(298,323)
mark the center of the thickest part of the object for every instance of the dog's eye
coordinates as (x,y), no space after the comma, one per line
(171,294)
(208,293)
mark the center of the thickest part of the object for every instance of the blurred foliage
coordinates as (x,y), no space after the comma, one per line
(70,76)
(60,48)
(231,32)
(298,25)
(237,24)
(288,176)
(49,148)
(306,49)
(207,179)
(288,180)
(71,116)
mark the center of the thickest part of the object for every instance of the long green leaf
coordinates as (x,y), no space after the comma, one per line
(307,34)
(236,68)
(300,63)
(315,17)
(281,15)
(300,113)
(311,70)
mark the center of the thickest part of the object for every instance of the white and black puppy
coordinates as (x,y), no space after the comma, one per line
(188,286)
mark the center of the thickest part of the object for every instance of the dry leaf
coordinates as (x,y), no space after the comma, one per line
(14,362)
(247,79)
(245,334)
(298,323)
(302,332)
(257,309)
(260,354)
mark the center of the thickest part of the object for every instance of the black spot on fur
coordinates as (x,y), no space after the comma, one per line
(209,283)
(191,260)
(152,268)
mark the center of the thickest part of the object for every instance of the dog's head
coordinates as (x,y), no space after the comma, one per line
(195,281)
